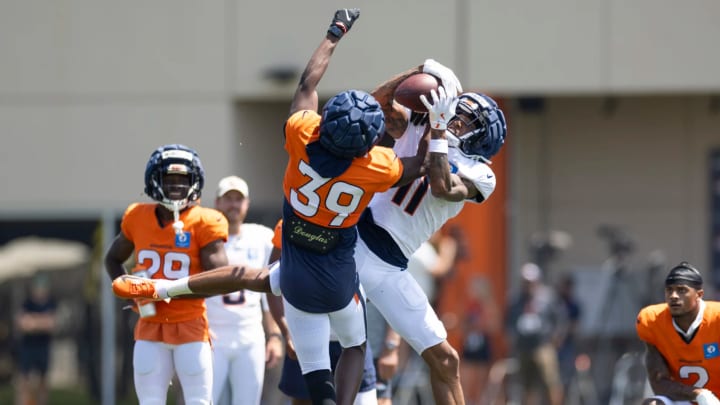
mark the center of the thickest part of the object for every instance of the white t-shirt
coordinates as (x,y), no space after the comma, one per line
(236,318)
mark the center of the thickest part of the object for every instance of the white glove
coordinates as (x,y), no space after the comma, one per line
(446,75)
(706,397)
(442,110)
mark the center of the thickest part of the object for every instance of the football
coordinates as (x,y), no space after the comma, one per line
(409,90)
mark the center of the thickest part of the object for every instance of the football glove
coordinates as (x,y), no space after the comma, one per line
(343,21)
(706,397)
(446,75)
(442,109)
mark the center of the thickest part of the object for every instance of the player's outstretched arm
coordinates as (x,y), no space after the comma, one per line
(396,116)
(441,110)
(443,184)
(223,280)
(212,256)
(306,97)
(414,166)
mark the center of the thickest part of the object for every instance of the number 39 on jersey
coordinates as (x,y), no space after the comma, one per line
(341,199)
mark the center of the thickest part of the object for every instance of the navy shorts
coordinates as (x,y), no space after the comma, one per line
(35,358)
(313,282)
(292,382)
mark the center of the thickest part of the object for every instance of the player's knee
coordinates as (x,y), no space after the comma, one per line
(320,386)
(444,361)
(451,362)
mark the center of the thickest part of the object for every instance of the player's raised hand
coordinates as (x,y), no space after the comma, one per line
(445,74)
(343,21)
(442,109)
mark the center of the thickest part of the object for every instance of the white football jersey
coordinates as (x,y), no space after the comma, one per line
(236,318)
(411,214)
(420,265)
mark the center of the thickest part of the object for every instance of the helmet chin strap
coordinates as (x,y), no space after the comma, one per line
(178,224)
(176,206)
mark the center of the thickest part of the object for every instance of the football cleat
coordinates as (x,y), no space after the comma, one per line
(132,287)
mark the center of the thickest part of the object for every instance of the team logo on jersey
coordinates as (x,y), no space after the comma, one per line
(710,350)
(182,240)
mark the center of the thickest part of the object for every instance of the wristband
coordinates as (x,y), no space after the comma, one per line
(272,335)
(391,345)
(178,287)
(336,31)
(438,146)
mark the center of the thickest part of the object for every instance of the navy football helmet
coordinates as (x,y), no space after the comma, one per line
(174,159)
(352,123)
(484,123)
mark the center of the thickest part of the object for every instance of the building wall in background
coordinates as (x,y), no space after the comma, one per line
(187,49)
(636,162)
(89,89)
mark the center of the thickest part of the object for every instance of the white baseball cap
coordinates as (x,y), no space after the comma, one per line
(531,272)
(232,183)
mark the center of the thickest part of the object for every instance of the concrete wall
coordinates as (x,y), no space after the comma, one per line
(639,162)
(89,88)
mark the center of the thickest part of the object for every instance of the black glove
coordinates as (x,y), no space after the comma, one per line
(343,20)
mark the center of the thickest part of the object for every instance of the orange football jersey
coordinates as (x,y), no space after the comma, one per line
(695,363)
(332,202)
(165,255)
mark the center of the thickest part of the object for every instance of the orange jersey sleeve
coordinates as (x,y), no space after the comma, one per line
(339,201)
(695,363)
(277,235)
(166,255)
